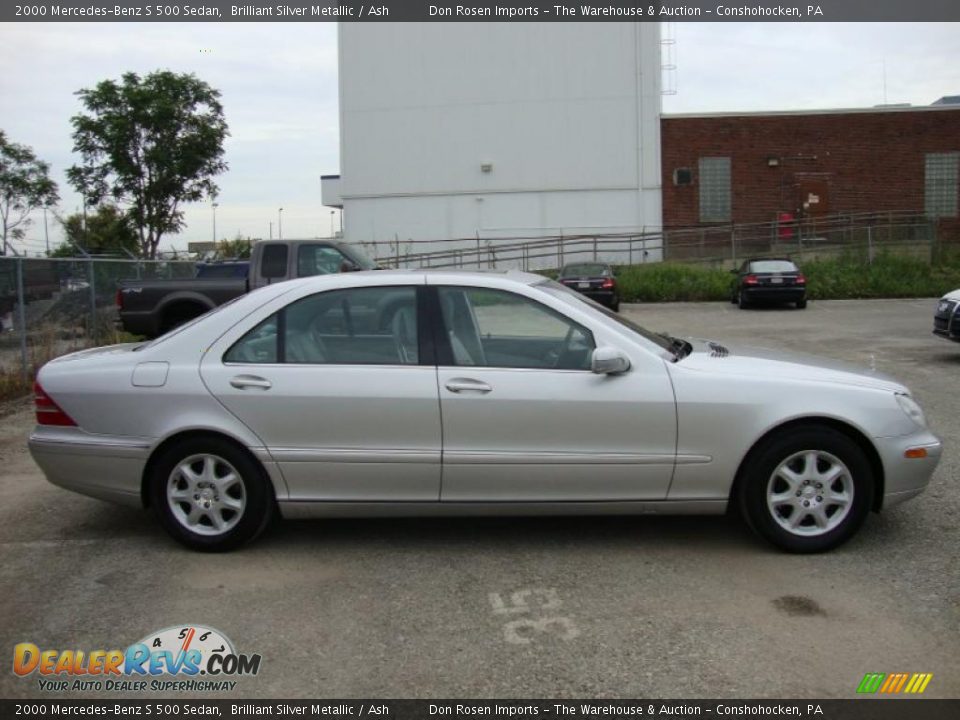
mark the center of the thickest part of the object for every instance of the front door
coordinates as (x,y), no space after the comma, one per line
(334,387)
(524,418)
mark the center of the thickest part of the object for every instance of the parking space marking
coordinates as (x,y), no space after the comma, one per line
(534,604)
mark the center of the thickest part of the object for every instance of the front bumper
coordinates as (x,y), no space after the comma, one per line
(101,466)
(946,323)
(905,478)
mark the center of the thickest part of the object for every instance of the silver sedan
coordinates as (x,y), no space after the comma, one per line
(428,393)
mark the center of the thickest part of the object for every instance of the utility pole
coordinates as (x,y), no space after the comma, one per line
(280,224)
(46,230)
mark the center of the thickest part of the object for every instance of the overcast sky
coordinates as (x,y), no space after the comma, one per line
(279,86)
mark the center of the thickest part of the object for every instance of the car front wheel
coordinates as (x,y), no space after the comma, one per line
(210,495)
(807,490)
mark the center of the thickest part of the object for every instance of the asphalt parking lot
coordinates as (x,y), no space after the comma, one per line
(617,607)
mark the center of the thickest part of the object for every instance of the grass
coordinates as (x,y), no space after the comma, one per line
(841,278)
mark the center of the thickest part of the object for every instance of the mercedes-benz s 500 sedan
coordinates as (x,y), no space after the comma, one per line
(417,392)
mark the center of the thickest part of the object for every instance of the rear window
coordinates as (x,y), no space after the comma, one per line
(273,264)
(773,266)
(585,270)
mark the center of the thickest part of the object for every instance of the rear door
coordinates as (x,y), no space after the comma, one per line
(524,418)
(342,393)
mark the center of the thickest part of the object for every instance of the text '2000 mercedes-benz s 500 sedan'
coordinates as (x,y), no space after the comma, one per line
(419,393)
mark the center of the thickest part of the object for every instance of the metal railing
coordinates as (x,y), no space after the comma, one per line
(721,244)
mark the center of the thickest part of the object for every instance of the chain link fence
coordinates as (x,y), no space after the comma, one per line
(49,307)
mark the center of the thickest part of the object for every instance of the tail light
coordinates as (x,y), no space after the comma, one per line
(750,280)
(609,284)
(119,300)
(801,279)
(48,412)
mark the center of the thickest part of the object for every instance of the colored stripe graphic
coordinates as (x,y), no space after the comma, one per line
(918,683)
(910,683)
(871,682)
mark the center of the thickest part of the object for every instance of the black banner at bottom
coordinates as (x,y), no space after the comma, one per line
(854,709)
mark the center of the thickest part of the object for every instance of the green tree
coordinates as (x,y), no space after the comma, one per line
(149,144)
(108,231)
(238,248)
(25,186)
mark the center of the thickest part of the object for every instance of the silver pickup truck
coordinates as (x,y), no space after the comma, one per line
(153,307)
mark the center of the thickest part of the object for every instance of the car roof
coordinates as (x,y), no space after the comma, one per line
(432,276)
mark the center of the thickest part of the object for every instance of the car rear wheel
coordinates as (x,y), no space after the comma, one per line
(210,495)
(741,300)
(801,304)
(807,490)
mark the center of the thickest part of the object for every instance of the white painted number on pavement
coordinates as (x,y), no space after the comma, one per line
(533,604)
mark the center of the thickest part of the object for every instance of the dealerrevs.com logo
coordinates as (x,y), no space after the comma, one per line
(183,658)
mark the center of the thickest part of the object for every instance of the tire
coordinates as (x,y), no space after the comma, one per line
(615,306)
(809,522)
(742,302)
(192,519)
(801,304)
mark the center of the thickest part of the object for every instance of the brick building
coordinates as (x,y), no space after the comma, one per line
(749,168)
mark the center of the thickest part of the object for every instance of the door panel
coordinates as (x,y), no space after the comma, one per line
(338,431)
(536,432)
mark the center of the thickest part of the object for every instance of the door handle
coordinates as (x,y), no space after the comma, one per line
(244,381)
(457,385)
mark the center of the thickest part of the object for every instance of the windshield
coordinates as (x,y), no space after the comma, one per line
(359,257)
(772,266)
(568,295)
(584,270)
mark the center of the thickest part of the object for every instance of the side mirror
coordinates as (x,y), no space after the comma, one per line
(609,361)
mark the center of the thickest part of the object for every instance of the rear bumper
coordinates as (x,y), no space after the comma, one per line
(101,466)
(604,297)
(774,294)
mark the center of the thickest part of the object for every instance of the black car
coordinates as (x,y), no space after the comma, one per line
(593,279)
(774,280)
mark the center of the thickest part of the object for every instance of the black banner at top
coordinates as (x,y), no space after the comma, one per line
(480,11)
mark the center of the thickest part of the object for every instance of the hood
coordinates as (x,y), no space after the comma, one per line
(955,295)
(744,360)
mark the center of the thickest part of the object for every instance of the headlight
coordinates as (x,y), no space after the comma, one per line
(911,409)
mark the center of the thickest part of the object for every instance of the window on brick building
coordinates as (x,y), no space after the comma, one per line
(940,184)
(714,189)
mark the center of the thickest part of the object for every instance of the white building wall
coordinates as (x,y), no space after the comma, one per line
(566,115)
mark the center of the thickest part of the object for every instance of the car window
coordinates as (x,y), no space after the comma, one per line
(273,263)
(319,260)
(772,266)
(494,328)
(257,346)
(586,270)
(358,326)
